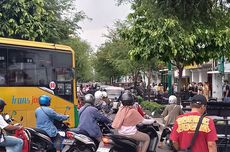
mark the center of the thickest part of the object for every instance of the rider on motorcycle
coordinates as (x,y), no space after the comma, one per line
(102,101)
(11,143)
(172,111)
(88,118)
(126,120)
(45,117)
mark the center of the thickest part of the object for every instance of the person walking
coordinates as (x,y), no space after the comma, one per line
(171,111)
(226,91)
(185,126)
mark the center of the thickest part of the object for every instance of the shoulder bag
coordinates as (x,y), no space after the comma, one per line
(57,123)
(189,149)
(166,118)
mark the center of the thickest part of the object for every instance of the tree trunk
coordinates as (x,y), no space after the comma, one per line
(149,75)
(135,75)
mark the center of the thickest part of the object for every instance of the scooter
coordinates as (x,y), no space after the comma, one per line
(78,141)
(119,143)
(40,140)
(167,140)
(21,133)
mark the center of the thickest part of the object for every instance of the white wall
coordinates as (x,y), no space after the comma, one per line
(195,76)
(199,75)
(217,86)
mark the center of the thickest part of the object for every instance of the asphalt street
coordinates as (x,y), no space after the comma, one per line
(165,148)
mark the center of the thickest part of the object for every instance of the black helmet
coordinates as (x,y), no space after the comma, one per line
(89,98)
(2,104)
(127,99)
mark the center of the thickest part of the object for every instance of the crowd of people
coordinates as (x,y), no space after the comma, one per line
(94,108)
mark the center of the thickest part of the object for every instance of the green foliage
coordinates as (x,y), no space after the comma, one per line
(179,32)
(24,19)
(152,106)
(40,20)
(112,60)
(65,20)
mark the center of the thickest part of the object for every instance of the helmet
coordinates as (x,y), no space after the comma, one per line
(89,98)
(172,99)
(98,95)
(127,99)
(104,94)
(2,104)
(44,100)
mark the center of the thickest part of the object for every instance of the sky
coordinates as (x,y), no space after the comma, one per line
(103,14)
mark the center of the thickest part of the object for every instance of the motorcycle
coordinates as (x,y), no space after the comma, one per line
(78,141)
(167,140)
(40,140)
(21,133)
(119,143)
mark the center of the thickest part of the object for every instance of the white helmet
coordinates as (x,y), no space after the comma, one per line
(172,99)
(98,95)
(104,94)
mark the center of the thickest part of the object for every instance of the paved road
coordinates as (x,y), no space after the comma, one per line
(164,149)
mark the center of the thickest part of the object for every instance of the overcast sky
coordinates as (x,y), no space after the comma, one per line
(103,13)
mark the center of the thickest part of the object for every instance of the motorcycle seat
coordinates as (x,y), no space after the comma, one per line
(124,141)
(41,131)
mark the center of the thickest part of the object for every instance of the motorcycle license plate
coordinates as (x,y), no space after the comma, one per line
(102,149)
(68,142)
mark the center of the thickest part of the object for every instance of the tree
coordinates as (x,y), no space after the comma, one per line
(181,39)
(65,20)
(113,60)
(23,19)
(39,20)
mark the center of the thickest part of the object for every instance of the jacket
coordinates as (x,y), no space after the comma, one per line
(44,120)
(88,119)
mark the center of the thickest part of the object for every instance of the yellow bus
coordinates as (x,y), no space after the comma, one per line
(30,69)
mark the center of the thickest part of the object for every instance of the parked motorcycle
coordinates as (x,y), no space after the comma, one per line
(119,143)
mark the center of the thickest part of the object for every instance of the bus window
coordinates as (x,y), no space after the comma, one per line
(3,53)
(64,74)
(68,89)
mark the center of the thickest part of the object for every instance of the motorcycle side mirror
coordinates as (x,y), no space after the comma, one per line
(14,112)
(21,118)
(67,108)
(153,113)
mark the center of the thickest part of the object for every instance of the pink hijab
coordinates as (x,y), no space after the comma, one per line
(127,116)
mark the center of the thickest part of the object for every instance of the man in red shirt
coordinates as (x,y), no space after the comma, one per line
(185,126)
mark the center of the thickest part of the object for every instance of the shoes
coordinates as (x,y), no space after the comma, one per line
(160,145)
